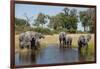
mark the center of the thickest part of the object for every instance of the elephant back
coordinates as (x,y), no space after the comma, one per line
(29,35)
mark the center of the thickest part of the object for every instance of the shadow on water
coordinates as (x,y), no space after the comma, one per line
(49,55)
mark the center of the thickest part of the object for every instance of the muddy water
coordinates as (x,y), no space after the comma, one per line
(49,55)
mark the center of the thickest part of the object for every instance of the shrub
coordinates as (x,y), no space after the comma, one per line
(43,30)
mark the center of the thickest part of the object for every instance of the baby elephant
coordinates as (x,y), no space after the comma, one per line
(83,41)
(69,41)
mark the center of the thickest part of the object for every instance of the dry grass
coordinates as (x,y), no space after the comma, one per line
(53,39)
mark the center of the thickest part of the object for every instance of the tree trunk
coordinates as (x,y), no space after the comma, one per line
(84,28)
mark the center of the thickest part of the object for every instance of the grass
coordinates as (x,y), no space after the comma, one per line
(53,39)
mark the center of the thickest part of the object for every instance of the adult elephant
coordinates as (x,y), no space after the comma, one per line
(35,42)
(83,41)
(29,39)
(62,39)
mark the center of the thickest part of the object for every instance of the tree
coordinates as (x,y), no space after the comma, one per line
(28,19)
(87,19)
(54,22)
(20,22)
(64,20)
(91,15)
(84,19)
(66,11)
(73,12)
(40,20)
(71,18)
(57,21)
(20,25)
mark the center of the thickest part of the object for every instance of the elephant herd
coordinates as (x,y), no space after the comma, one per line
(31,40)
(67,40)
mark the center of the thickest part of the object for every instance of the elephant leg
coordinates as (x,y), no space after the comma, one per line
(70,44)
(33,43)
(79,48)
(37,44)
(64,42)
(30,45)
(87,49)
(67,44)
(60,42)
(21,45)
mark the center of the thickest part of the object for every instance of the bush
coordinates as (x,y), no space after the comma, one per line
(58,31)
(20,29)
(43,30)
(72,30)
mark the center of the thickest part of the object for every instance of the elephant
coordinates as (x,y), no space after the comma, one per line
(35,42)
(29,39)
(83,41)
(22,40)
(62,38)
(69,41)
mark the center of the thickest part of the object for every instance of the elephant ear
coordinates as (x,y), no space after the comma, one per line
(36,35)
(88,37)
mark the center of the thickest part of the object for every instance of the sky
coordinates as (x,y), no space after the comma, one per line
(34,10)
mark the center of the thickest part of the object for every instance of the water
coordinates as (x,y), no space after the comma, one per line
(49,55)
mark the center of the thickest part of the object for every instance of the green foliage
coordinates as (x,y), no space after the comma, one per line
(66,11)
(20,29)
(72,30)
(20,26)
(20,22)
(43,30)
(41,20)
(66,20)
(56,21)
(87,19)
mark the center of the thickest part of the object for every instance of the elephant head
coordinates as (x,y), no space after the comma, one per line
(83,40)
(39,35)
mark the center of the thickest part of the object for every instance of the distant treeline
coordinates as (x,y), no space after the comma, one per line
(66,20)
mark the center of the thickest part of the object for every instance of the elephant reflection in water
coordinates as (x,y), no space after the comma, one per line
(27,57)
